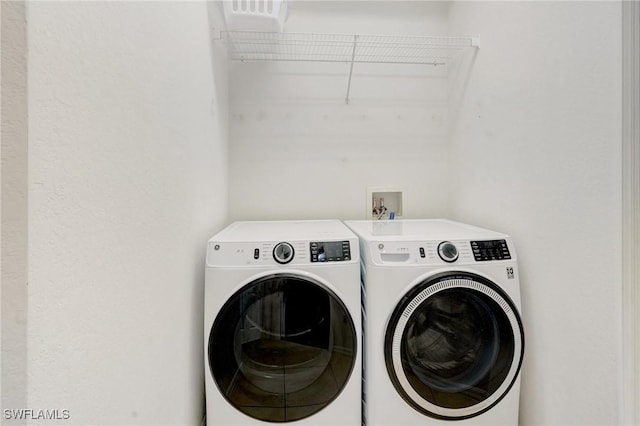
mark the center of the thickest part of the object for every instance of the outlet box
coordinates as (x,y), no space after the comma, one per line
(381,201)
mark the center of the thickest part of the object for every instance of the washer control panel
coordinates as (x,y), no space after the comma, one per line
(330,251)
(490,250)
(440,252)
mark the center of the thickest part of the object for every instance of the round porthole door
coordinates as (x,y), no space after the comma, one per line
(454,346)
(282,348)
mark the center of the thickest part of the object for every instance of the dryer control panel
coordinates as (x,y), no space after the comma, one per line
(282,253)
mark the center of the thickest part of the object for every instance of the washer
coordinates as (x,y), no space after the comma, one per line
(443,332)
(283,324)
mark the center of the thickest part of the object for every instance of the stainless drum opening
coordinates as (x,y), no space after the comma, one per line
(453,341)
(282,348)
(454,346)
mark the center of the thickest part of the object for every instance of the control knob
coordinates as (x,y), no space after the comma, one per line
(283,253)
(447,251)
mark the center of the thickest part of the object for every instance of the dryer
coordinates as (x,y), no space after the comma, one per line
(443,333)
(282,324)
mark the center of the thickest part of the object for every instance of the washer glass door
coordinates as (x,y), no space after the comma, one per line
(282,348)
(454,346)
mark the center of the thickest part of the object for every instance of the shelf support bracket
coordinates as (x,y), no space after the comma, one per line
(353,56)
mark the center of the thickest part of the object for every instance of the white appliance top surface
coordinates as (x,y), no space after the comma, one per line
(418,229)
(251,231)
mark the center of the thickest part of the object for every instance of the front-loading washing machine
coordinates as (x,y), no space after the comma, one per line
(283,324)
(443,333)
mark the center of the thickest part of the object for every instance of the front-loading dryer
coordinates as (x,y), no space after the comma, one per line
(283,324)
(443,332)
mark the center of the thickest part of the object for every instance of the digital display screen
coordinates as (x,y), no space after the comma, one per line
(488,244)
(330,251)
(490,250)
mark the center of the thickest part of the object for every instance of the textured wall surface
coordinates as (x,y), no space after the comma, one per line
(13,246)
(127,175)
(298,151)
(537,148)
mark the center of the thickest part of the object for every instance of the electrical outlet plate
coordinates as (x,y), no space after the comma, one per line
(394,201)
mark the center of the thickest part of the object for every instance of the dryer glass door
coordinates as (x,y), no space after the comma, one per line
(282,348)
(454,346)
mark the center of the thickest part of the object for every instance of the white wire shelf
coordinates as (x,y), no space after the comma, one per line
(264,46)
(346,48)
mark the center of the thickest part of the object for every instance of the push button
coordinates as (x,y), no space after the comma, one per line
(256,254)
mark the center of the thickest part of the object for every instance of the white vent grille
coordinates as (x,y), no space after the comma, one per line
(255,15)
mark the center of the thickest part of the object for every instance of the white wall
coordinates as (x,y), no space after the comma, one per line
(127,173)
(13,177)
(536,149)
(298,151)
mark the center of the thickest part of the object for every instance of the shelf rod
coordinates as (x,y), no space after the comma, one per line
(341,61)
(353,57)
